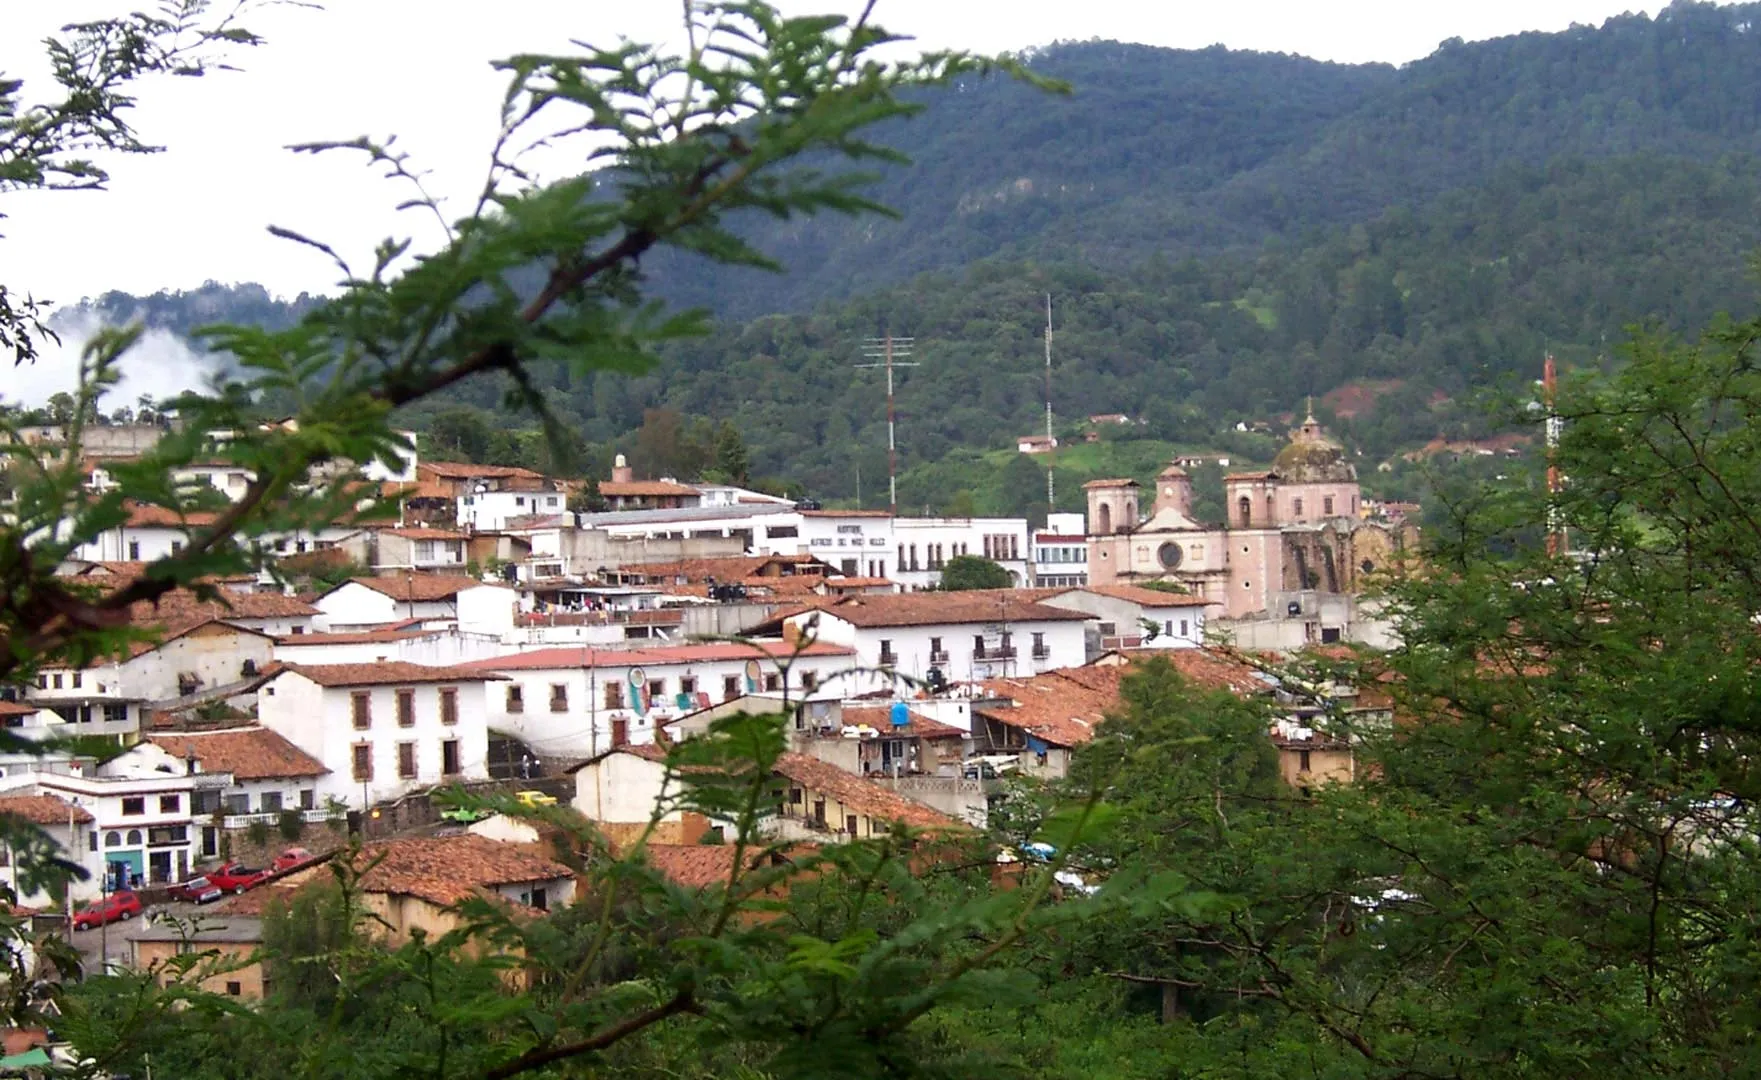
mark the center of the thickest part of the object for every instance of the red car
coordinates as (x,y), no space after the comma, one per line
(289,859)
(197,890)
(235,877)
(118,906)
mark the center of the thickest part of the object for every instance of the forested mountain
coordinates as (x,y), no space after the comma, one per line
(1222,234)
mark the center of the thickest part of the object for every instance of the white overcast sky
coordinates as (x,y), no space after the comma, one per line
(419,68)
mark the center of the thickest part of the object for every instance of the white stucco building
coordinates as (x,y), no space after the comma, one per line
(382,730)
(581,701)
(962,636)
(1060,552)
(257,777)
(924,545)
(1133,617)
(142,818)
(420,599)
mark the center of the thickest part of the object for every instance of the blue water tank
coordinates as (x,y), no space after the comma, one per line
(900,714)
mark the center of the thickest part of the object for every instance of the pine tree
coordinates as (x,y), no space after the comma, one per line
(731,459)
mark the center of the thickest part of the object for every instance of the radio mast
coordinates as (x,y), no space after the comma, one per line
(889,352)
(1051,488)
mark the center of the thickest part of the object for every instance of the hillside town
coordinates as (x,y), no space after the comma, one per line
(487,637)
(1071,542)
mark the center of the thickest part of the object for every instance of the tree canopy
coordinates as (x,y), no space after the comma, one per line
(963,572)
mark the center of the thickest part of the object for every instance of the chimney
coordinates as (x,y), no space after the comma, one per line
(621,473)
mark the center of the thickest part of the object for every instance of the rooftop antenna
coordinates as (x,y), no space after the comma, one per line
(889,352)
(1051,487)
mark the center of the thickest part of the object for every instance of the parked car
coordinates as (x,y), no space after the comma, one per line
(236,877)
(289,859)
(197,890)
(536,798)
(117,907)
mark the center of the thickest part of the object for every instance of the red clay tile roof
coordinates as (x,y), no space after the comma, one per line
(868,799)
(141,516)
(381,673)
(442,870)
(166,633)
(873,610)
(1124,481)
(835,583)
(446,869)
(880,718)
(14,708)
(417,533)
(459,470)
(1214,670)
(418,588)
(723,568)
(846,513)
(644,489)
(358,637)
(250,753)
(1137,594)
(694,866)
(698,866)
(44,809)
(1062,711)
(181,607)
(421,489)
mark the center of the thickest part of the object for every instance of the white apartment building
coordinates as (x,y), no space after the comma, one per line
(67,824)
(859,543)
(963,636)
(382,730)
(1060,552)
(438,646)
(581,701)
(372,602)
(924,546)
(264,776)
(141,828)
(109,698)
(1133,617)
(490,502)
(153,532)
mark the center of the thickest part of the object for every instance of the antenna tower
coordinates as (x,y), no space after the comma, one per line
(889,352)
(1051,488)
(1556,541)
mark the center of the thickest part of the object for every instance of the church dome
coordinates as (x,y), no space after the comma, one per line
(1313,458)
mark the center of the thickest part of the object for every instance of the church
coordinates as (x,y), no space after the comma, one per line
(1294,532)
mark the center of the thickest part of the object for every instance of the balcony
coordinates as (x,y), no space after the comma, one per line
(996,652)
(1041,652)
(888,659)
(941,657)
(273,817)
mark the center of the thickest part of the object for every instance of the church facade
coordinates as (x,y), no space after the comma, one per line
(1293,532)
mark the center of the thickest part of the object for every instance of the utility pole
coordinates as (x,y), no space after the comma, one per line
(889,352)
(1051,489)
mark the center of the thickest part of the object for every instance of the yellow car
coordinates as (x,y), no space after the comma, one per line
(536,798)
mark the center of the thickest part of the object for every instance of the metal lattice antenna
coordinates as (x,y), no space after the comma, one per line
(1051,487)
(889,352)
